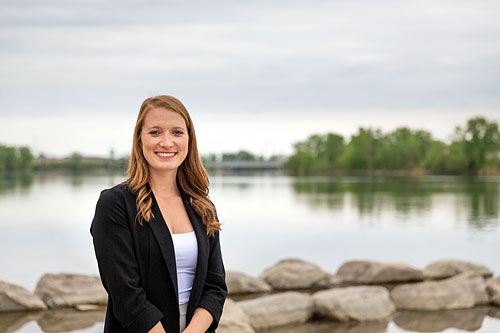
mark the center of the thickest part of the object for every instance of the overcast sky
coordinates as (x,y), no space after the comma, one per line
(255,75)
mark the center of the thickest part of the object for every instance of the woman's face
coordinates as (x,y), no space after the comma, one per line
(164,139)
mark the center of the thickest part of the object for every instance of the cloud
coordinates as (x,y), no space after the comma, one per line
(225,57)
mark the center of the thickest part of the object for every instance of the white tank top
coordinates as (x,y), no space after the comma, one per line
(186,256)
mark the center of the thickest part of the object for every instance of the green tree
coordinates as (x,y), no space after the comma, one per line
(241,155)
(10,159)
(76,162)
(361,152)
(26,159)
(334,147)
(480,139)
(403,149)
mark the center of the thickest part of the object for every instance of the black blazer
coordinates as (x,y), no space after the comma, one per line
(138,270)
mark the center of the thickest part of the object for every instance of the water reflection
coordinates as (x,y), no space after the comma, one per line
(16,184)
(476,198)
(11,322)
(61,320)
(437,321)
(65,320)
(334,327)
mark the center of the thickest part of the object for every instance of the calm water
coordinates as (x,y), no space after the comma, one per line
(44,224)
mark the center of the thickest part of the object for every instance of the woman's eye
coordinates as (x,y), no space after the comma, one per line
(154,132)
(178,132)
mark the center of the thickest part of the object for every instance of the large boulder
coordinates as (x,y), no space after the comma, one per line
(493,289)
(446,268)
(234,319)
(362,303)
(69,290)
(293,273)
(372,272)
(241,283)
(16,298)
(462,291)
(278,309)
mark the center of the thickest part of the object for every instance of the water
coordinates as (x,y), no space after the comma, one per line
(44,226)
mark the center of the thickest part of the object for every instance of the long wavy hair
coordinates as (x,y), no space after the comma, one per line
(191,175)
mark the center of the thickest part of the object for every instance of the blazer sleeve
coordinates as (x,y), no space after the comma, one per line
(215,290)
(118,268)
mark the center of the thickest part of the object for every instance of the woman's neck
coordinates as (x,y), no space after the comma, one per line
(164,184)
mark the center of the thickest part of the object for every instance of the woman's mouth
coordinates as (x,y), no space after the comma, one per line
(166,155)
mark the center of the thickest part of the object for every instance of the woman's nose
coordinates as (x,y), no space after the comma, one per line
(166,141)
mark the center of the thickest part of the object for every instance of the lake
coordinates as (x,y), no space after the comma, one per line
(44,226)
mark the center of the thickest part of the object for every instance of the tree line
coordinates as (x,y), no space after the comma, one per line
(16,159)
(473,149)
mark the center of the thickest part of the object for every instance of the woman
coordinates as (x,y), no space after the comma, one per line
(156,236)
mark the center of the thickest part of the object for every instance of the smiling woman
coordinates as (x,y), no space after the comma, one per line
(156,236)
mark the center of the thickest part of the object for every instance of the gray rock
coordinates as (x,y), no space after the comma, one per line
(240,283)
(16,298)
(294,273)
(278,309)
(493,289)
(234,319)
(362,303)
(372,272)
(67,290)
(462,291)
(446,268)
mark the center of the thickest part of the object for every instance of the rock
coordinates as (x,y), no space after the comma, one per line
(372,272)
(16,298)
(446,268)
(67,290)
(240,283)
(493,289)
(462,291)
(234,319)
(278,309)
(294,273)
(362,303)
(438,321)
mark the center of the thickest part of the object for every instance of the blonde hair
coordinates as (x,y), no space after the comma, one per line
(191,175)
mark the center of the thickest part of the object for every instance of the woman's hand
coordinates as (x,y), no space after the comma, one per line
(158,328)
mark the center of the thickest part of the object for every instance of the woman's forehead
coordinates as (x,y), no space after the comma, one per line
(163,117)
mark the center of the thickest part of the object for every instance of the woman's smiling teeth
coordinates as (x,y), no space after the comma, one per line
(166,154)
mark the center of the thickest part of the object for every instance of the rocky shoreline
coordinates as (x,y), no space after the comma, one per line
(292,292)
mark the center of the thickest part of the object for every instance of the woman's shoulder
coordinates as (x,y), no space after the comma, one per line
(119,192)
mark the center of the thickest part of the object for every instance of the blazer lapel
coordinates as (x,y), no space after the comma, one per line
(164,239)
(203,252)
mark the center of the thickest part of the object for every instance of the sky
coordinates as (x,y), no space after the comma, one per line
(255,75)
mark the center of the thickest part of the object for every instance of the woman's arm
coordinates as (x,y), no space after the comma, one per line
(118,268)
(214,290)
(201,321)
